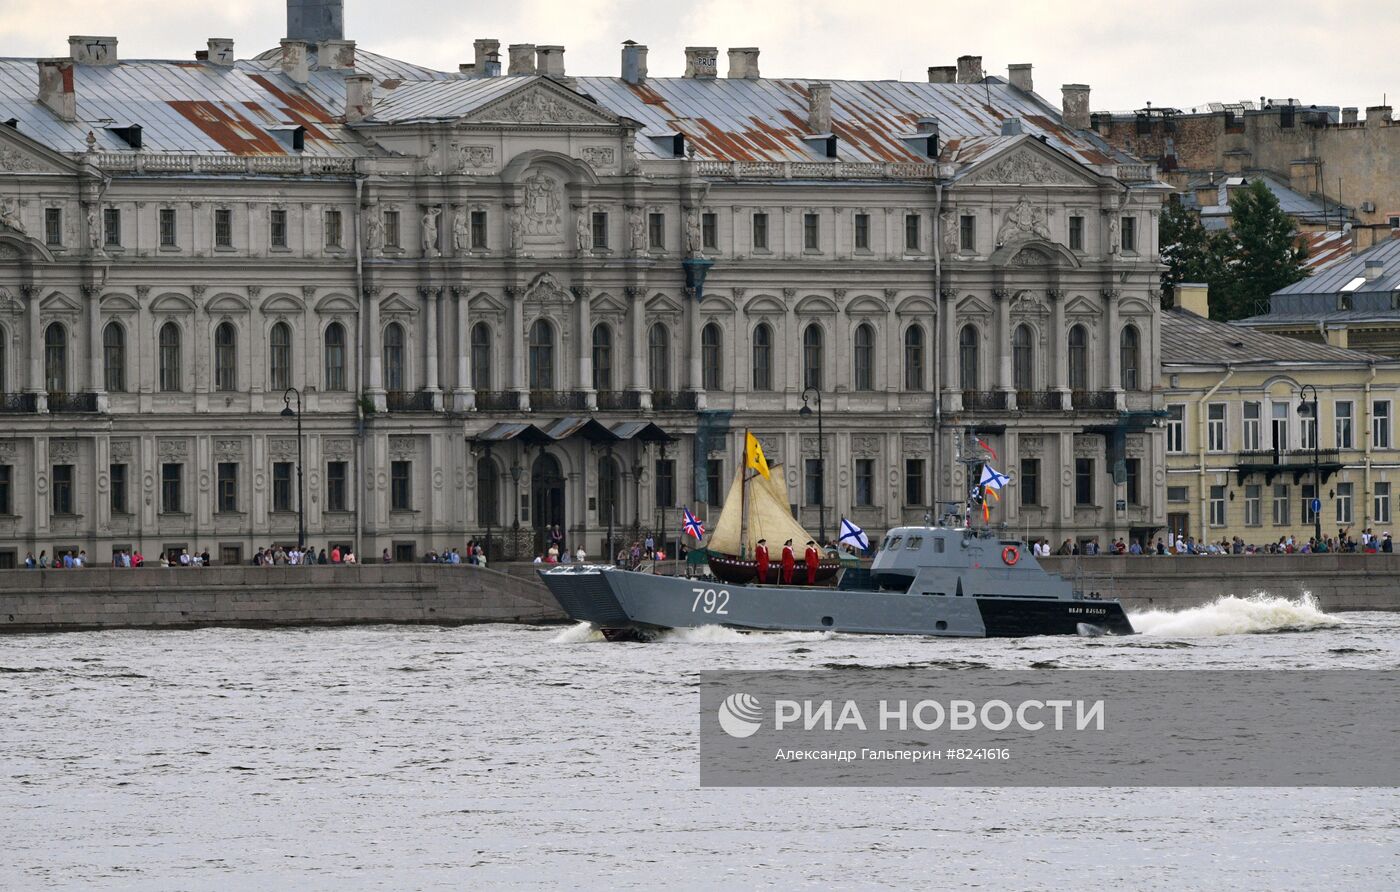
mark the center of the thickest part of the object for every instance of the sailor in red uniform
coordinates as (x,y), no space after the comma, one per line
(812,557)
(789,562)
(760,553)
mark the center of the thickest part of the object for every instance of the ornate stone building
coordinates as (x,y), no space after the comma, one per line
(528,298)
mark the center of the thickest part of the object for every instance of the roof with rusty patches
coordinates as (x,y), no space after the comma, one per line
(1190,340)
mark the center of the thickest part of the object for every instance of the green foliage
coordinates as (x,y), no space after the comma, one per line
(1187,249)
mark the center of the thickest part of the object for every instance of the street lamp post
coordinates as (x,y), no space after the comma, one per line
(1310,408)
(806,412)
(516,472)
(288,412)
(491,514)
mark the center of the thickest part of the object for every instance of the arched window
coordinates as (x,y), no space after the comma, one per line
(169,357)
(393,358)
(225,357)
(334,349)
(602,357)
(488,484)
(659,356)
(114,358)
(914,358)
(607,491)
(711,355)
(481,356)
(56,358)
(967,357)
(280,357)
(763,357)
(541,356)
(1128,357)
(1078,358)
(812,357)
(865,357)
(1022,358)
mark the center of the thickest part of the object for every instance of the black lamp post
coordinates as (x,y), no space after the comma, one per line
(1306,407)
(491,515)
(289,412)
(806,412)
(516,472)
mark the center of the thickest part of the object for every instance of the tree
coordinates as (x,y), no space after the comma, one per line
(1261,254)
(1189,252)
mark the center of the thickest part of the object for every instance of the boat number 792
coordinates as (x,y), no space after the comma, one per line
(707,600)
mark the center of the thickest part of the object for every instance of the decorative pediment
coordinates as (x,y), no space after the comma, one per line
(1081,306)
(865,305)
(19,154)
(283,303)
(607,303)
(58,302)
(540,102)
(1030,163)
(226,302)
(547,289)
(815,305)
(916,306)
(485,303)
(171,302)
(663,303)
(1027,250)
(336,303)
(397,303)
(764,303)
(974,306)
(119,303)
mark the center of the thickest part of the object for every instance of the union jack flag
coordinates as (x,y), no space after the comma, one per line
(691,525)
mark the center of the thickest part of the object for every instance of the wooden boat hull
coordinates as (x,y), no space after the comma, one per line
(738,571)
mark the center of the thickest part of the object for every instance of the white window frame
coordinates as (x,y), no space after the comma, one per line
(1217,506)
(1252,501)
(1380,507)
(1253,427)
(1344,423)
(1380,424)
(1216,432)
(1176,428)
(1346,502)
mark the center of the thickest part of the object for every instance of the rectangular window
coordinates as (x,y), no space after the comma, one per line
(914,482)
(1344,503)
(1279,426)
(1176,428)
(1252,438)
(1280,504)
(401,490)
(223,228)
(172,477)
(912,238)
(167,227)
(1307,432)
(337,479)
(1215,427)
(811,232)
(1083,481)
(1381,510)
(709,231)
(1076,233)
(1029,481)
(665,483)
(226,492)
(116,475)
(112,227)
(478,230)
(1380,424)
(1217,506)
(1343,410)
(814,488)
(865,482)
(1132,483)
(1252,517)
(277,228)
(760,232)
(282,486)
(862,232)
(53,226)
(333,235)
(1178,494)
(967,233)
(7,504)
(1309,493)
(393,238)
(714,480)
(1129,235)
(62,485)
(656,229)
(600,230)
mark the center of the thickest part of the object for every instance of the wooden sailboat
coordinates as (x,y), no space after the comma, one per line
(756,507)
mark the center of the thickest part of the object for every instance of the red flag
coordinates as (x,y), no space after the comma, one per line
(983,444)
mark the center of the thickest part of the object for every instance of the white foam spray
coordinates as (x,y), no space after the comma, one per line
(578,634)
(1230,615)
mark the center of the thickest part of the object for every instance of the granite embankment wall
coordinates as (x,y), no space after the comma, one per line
(1338,581)
(108,598)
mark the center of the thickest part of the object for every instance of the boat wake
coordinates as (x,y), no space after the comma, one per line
(578,633)
(1230,615)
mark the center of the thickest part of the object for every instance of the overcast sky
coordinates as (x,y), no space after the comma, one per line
(1180,53)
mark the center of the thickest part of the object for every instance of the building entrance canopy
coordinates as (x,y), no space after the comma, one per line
(574,426)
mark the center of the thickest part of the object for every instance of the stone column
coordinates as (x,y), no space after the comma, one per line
(96,379)
(697,372)
(1059,379)
(430,366)
(463,398)
(36,349)
(374,342)
(520,382)
(582,294)
(636,314)
(1113,363)
(1002,297)
(951,383)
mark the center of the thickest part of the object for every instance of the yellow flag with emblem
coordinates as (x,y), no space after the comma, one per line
(753,456)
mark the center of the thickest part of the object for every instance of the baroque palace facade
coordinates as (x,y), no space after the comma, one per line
(513,299)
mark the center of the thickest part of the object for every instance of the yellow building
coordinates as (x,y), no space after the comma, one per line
(1243,449)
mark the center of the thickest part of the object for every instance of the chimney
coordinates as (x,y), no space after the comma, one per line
(1193,298)
(220,51)
(1374,270)
(335,55)
(942,74)
(549,61)
(1377,116)
(522,58)
(312,21)
(743,62)
(488,57)
(819,108)
(294,62)
(359,97)
(969,69)
(92,50)
(1075,110)
(1020,77)
(1349,115)
(634,62)
(701,61)
(56,88)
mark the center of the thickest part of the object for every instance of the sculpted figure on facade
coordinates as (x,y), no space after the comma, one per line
(517,229)
(94,232)
(581,231)
(1114,239)
(461,237)
(1025,220)
(430,231)
(636,225)
(694,237)
(374,229)
(948,231)
(9,215)
(541,205)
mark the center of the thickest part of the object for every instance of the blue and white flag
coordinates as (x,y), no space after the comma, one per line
(992,478)
(691,526)
(854,535)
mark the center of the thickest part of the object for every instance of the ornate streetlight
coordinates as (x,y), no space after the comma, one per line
(289,412)
(1306,408)
(806,412)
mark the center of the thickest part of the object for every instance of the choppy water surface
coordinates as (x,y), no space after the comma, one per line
(412,757)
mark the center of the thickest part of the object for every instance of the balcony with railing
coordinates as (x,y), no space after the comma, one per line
(619,400)
(1039,401)
(497,401)
(1270,463)
(673,400)
(984,400)
(558,401)
(18,403)
(1094,401)
(408,401)
(72,402)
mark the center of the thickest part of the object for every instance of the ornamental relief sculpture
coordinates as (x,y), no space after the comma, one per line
(1023,168)
(1023,221)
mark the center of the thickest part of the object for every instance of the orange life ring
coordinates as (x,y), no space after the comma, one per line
(1009,555)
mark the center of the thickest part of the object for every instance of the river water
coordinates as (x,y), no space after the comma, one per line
(403,757)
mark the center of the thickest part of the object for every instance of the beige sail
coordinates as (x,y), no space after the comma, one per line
(770,514)
(724,536)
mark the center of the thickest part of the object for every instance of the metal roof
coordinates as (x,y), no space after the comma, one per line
(442,99)
(1188,339)
(1331,280)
